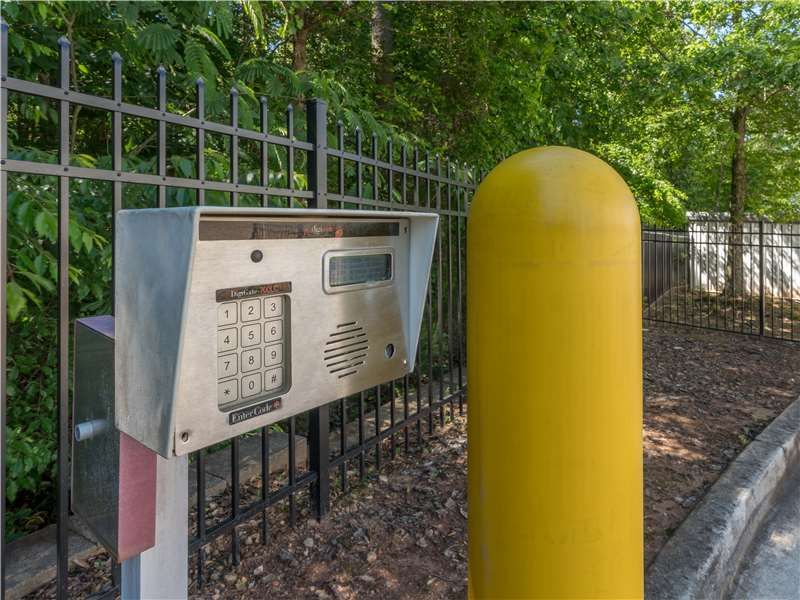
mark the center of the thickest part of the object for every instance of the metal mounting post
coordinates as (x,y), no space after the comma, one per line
(162,572)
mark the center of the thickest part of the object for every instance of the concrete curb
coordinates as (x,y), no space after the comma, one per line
(703,556)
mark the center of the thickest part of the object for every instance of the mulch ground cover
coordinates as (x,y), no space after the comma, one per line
(707,395)
(402,533)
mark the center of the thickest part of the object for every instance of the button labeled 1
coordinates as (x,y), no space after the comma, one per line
(226,313)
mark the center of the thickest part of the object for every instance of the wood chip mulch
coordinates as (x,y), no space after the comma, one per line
(402,533)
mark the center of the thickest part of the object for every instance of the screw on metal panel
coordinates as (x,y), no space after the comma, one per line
(185,436)
(256,256)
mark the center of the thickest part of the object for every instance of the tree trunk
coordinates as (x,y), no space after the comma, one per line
(734,268)
(299,50)
(382,46)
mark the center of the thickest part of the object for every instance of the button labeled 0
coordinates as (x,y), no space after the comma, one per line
(251,385)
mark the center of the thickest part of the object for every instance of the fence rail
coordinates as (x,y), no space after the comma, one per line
(743,278)
(390,178)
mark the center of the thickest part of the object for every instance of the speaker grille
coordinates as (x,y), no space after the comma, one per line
(346,349)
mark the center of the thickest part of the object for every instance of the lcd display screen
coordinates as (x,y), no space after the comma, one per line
(355,269)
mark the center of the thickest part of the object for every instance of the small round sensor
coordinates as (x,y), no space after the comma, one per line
(256,256)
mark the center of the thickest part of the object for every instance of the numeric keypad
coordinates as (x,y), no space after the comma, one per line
(251,339)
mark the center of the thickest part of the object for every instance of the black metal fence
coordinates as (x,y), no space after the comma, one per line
(367,428)
(743,278)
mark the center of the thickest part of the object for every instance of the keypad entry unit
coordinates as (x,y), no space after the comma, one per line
(252,348)
(232,319)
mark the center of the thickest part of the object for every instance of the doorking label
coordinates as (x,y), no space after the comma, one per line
(264,289)
(251,412)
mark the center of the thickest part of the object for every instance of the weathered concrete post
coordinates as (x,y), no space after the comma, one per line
(555,381)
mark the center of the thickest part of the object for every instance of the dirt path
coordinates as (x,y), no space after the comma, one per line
(403,533)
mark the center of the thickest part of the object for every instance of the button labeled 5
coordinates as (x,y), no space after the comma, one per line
(251,335)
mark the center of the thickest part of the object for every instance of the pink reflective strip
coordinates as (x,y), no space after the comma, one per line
(137,498)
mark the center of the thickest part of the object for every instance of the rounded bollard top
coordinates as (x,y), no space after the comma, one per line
(556,185)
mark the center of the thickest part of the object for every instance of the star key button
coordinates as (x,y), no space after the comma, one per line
(227,391)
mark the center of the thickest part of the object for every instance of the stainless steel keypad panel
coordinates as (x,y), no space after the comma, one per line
(252,350)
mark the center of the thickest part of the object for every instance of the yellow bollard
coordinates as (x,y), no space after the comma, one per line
(554,343)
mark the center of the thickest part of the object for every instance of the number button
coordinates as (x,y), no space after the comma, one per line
(273,331)
(227,391)
(226,313)
(226,340)
(273,355)
(273,307)
(226,366)
(273,379)
(251,360)
(251,310)
(251,385)
(251,335)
